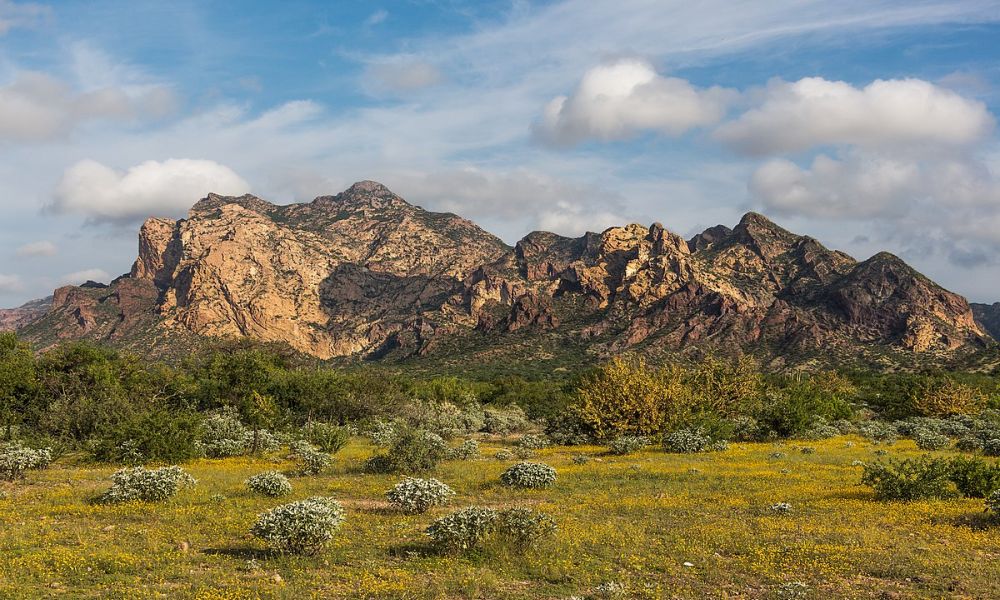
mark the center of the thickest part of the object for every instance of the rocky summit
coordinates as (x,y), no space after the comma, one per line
(366,274)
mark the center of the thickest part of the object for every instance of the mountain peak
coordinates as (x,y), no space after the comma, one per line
(365,194)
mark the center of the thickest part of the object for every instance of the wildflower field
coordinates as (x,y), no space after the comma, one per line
(643,525)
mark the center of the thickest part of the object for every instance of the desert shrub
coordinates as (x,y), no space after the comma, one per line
(462,530)
(910,479)
(269,483)
(993,504)
(781,508)
(382,433)
(941,397)
(821,429)
(928,439)
(969,443)
(879,432)
(223,435)
(504,455)
(580,459)
(15,459)
(793,405)
(506,420)
(419,495)
(444,418)
(160,435)
(627,444)
(466,450)
(328,438)
(808,450)
(311,460)
(974,477)
(627,397)
(302,527)
(522,527)
(529,475)
(531,441)
(688,441)
(412,451)
(991,447)
(566,429)
(748,429)
(146,485)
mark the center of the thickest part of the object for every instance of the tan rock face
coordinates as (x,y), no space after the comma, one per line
(364,273)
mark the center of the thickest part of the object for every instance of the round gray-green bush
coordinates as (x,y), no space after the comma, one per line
(416,496)
(302,527)
(529,475)
(269,483)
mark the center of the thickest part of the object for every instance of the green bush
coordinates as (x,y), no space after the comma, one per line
(302,527)
(505,420)
(974,477)
(146,485)
(910,479)
(419,495)
(157,436)
(522,528)
(328,438)
(463,530)
(269,483)
(311,460)
(530,441)
(993,504)
(689,441)
(529,475)
(412,451)
(467,450)
(928,439)
(15,459)
(879,432)
(627,444)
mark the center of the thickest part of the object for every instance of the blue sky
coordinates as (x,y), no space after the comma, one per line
(868,125)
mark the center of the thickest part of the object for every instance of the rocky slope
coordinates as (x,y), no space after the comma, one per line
(988,317)
(12,319)
(365,274)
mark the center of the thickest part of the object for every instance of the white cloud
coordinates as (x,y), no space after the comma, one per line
(98,275)
(21,14)
(899,113)
(10,284)
(617,100)
(950,203)
(528,198)
(40,248)
(152,188)
(403,75)
(36,106)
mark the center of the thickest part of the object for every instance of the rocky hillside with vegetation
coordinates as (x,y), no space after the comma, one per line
(365,274)
(988,317)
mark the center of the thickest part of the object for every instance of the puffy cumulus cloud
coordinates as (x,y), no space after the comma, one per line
(36,106)
(169,188)
(813,112)
(21,14)
(40,248)
(950,204)
(617,100)
(404,75)
(78,277)
(10,284)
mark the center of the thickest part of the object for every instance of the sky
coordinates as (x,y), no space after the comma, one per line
(869,125)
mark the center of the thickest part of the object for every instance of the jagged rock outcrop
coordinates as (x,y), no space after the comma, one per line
(364,273)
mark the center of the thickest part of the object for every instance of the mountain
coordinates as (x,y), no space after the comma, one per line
(988,317)
(365,274)
(12,319)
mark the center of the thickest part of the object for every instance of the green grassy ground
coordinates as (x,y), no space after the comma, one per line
(633,520)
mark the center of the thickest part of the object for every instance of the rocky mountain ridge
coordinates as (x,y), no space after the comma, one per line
(365,274)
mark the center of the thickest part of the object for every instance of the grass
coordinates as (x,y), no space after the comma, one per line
(635,520)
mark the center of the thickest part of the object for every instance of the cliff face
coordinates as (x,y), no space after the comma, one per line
(365,274)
